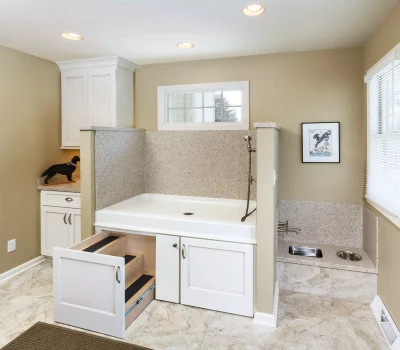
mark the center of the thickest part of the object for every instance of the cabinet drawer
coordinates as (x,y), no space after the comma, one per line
(61,199)
(104,282)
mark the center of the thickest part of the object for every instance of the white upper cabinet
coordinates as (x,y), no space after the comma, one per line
(95,92)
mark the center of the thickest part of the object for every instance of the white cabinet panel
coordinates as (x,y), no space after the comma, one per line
(74,220)
(74,106)
(167,268)
(60,220)
(95,92)
(101,96)
(55,230)
(102,310)
(217,275)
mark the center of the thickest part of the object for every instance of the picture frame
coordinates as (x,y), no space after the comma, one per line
(320,142)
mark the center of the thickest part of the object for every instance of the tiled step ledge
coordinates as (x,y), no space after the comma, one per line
(329,260)
(334,283)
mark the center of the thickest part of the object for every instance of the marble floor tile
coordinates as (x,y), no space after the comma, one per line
(304,321)
(175,326)
(305,279)
(361,287)
(134,329)
(239,329)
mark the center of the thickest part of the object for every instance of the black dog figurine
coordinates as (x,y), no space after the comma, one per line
(63,169)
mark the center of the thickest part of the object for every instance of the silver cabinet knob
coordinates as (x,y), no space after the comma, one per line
(175,245)
(69,199)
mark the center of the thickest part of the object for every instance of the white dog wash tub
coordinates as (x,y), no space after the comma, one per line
(196,217)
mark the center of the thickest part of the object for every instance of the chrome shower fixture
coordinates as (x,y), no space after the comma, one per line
(248,139)
(250,179)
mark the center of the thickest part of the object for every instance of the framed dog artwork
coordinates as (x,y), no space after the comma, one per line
(320,142)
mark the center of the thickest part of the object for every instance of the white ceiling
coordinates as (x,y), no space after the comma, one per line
(147,31)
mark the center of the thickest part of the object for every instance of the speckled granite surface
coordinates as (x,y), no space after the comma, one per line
(329,259)
(370,234)
(328,223)
(119,157)
(74,187)
(266,125)
(199,163)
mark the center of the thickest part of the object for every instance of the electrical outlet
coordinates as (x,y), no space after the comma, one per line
(12,245)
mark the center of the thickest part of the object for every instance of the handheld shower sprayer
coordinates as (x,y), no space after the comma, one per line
(247,138)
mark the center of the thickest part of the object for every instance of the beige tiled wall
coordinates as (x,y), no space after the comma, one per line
(323,222)
(119,166)
(370,234)
(199,163)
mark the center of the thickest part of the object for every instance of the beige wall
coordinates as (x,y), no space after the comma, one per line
(289,89)
(29,143)
(381,42)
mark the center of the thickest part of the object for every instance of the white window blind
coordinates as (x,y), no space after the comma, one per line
(383,143)
(215,106)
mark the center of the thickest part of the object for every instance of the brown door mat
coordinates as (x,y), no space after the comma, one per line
(44,336)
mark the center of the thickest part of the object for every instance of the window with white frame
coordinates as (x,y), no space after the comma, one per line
(383,143)
(215,106)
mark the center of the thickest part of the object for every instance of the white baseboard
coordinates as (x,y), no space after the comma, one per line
(21,268)
(392,334)
(269,320)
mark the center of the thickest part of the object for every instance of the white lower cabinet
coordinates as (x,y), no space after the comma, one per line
(167,267)
(217,275)
(204,273)
(103,283)
(60,220)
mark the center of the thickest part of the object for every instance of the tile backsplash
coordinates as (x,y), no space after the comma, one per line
(370,234)
(199,163)
(119,166)
(324,222)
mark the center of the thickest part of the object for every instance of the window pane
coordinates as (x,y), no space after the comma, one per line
(219,114)
(209,99)
(233,98)
(185,100)
(192,115)
(232,114)
(209,115)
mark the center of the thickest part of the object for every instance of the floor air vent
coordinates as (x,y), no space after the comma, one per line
(386,323)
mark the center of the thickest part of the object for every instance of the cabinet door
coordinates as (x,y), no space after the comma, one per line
(74,106)
(217,275)
(102,96)
(89,291)
(167,268)
(54,229)
(74,222)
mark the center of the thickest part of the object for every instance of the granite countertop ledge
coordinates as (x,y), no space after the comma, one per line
(74,187)
(104,128)
(273,125)
(329,259)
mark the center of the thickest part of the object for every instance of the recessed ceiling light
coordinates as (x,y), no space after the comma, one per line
(253,10)
(71,36)
(185,45)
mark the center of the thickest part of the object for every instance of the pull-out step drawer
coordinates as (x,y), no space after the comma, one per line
(103,283)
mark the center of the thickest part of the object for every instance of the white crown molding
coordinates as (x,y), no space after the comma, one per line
(99,62)
(21,268)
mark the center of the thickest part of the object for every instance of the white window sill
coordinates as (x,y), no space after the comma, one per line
(205,126)
(387,215)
